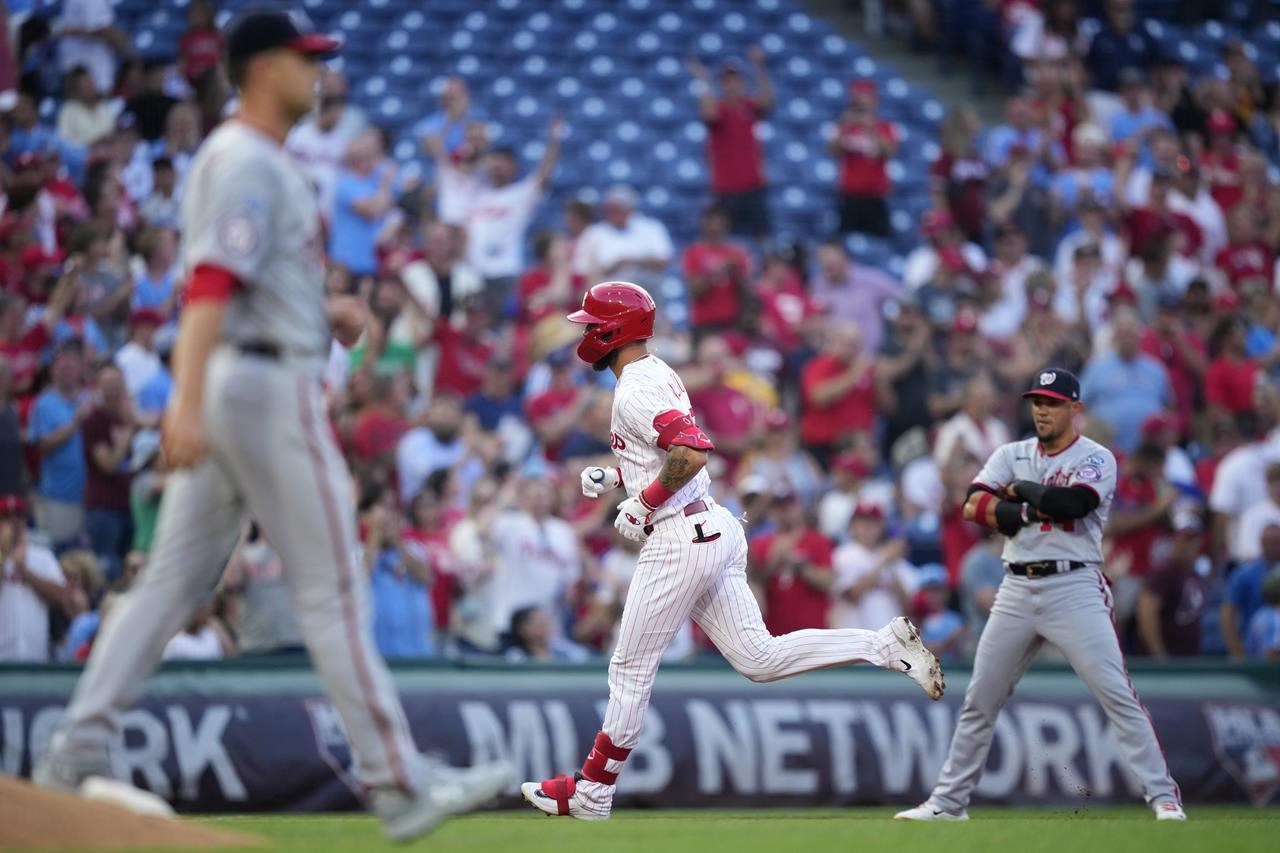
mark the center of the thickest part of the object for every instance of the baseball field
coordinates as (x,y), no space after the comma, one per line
(992,830)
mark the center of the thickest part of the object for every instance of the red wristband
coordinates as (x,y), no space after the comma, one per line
(655,495)
(980,516)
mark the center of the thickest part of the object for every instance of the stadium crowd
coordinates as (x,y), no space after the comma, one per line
(1123,223)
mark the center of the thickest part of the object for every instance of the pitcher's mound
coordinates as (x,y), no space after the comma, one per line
(33,818)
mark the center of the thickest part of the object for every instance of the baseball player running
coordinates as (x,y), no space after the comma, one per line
(248,429)
(693,559)
(1050,495)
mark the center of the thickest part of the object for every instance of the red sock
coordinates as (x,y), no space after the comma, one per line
(602,752)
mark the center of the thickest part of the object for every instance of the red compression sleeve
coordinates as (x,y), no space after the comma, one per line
(210,282)
(655,495)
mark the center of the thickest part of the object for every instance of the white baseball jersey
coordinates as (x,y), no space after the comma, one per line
(647,390)
(1082,463)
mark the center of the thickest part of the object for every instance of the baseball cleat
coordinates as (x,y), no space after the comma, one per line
(405,817)
(1169,810)
(557,797)
(927,811)
(916,661)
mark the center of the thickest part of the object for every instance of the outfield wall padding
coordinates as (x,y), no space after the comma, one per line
(260,736)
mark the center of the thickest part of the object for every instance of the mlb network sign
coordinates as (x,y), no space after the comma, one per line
(207,753)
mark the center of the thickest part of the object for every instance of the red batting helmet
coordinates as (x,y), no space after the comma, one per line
(621,312)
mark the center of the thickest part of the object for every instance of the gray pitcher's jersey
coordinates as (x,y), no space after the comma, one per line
(1083,463)
(248,210)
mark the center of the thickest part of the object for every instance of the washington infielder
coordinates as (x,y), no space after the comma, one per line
(693,561)
(247,424)
(1050,495)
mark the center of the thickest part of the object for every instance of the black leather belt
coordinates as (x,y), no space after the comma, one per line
(691,508)
(1044,568)
(261,349)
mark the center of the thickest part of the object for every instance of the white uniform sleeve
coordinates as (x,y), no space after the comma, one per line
(998,472)
(231,225)
(642,405)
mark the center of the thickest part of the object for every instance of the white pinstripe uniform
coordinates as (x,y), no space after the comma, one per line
(692,566)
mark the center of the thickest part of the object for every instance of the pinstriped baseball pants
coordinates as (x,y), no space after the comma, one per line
(677,578)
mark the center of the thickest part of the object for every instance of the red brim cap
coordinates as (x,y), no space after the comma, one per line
(1053,394)
(315,44)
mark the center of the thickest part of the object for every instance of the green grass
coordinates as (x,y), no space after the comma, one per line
(992,830)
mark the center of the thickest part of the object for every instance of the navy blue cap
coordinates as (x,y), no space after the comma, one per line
(258,32)
(1056,383)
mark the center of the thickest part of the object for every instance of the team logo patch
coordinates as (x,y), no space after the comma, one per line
(238,236)
(1246,742)
(1088,474)
(1048,377)
(1095,459)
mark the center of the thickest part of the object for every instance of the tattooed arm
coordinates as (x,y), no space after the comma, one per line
(682,465)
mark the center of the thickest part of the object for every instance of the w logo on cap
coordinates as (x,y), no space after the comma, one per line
(1048,377)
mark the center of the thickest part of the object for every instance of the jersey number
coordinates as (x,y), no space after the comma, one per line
(704,537)
(1064,526)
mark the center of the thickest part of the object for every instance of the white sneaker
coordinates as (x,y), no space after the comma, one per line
(557,797)
(405,818)
(926,811)
(917,662)
(1169,810)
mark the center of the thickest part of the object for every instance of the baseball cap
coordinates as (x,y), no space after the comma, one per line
(258,32)
(1157,423)
(1227,301)
(931,574)
(1056,383)
(867,509)
(934,222)
(863,86)
(36,256)
(852,464)
(753,484)
(141,316)
(1221,121)
(965,321)
(12,505)
(952,259)
(777,419)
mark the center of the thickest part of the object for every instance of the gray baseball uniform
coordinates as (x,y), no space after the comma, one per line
(249,211)
(1071,610)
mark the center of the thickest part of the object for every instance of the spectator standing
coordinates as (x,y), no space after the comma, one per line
(1179,347)
(550,287)
(716,273)
(537,557)
(958,177)
(434,443)
(903,374)
(12,454)
(266,623)
(1230,379)
(498,217)
(451,120)
(1137,119)
(975,431)
(88,37)
(624,245)
(864,144)
(981,572)
(1139,515)
(1242,597)
(838,392)
(733,150)
(872,577)
(850,293)
(85,117)
(318,146)
(154,288)
(1124,387)
(1173,598)
(56,419)
(381,425)
(554,412)
(1119,44)
(1255,520)
(31,584)
(151,104)
(498,398)
(1239,481)
(138,360)
(791,565)
(363,195)
(1263,639)
(200,45)
(938,227)
(777,458)
(160,207)
(107,436)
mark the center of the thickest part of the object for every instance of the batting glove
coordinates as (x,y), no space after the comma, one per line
(596,480)
(633,518)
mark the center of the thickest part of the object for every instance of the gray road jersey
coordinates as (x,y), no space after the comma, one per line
(1084,463)
(249,210)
